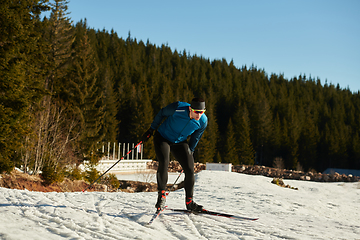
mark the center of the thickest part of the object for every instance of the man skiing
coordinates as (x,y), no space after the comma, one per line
(182,120)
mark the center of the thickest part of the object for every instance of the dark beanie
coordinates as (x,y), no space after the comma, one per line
(198,104)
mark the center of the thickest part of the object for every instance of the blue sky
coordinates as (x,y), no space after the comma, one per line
(318,38)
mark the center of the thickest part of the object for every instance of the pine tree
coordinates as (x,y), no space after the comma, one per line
(85,94)
(46,124)
(107,77)
(245,149)
(60,37)
(109,102)
(230,154)
(294,134)
(206,149)
(141,116)
(277,136)
(354,151)
(262,127)
(308,141)
(19,73)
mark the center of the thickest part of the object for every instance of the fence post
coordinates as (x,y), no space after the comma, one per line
(142,149)
(137,152)
(119,152)
(114,151)
(132,155)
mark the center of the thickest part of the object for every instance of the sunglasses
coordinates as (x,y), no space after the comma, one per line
(198,111)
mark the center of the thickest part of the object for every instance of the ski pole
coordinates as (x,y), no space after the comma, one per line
(174,183)
(112,167)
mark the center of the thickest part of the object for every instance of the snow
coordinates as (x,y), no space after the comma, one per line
(315,211)
(149,176)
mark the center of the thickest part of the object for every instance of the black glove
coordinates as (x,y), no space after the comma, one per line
(147,135)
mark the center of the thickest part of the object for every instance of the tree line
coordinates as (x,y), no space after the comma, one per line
(65,88)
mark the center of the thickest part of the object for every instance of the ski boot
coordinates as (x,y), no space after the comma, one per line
(192,206)
(161,200)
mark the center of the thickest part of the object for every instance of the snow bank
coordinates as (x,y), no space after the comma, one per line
(315,211)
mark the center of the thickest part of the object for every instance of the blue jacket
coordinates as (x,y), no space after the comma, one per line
(178,125)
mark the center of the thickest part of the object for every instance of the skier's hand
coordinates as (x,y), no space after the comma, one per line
(147,135)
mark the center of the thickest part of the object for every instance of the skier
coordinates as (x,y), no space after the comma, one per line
(182,120)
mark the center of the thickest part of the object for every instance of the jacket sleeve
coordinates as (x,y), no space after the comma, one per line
(196,136)
(163,113)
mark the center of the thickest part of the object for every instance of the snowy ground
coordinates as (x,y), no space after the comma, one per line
(149,176)
(315,211)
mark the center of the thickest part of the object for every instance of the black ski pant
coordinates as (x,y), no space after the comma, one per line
(182,154)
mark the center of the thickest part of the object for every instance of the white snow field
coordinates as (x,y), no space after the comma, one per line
(315,211)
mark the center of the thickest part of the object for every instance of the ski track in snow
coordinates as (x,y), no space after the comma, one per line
(315,211)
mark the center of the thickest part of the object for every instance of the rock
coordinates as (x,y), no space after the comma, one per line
(280,182)
(292,174)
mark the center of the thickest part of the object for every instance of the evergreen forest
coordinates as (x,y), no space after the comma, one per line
(65,88)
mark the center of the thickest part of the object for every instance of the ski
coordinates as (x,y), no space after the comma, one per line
(213,214)
(156,214)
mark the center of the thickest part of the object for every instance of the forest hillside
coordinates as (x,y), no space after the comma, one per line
(65,88)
